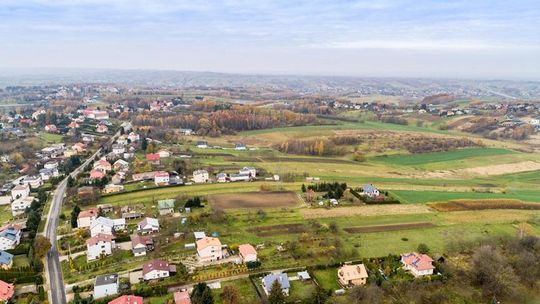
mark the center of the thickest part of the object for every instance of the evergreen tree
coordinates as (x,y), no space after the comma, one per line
(276,295)
(202,294)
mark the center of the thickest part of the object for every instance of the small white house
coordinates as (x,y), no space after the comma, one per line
(157,269)
(99,246)
(106,285)
(248,253)
(252,172)
(19,205)
(200,176)
(20,191)
(161,178)
(51,165)
(148,225)
(10,236)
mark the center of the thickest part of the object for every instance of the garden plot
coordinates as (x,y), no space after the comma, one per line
(254,200)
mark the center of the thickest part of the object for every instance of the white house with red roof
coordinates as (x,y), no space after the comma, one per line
(248,253)
(209,249)
(86,217)
(51,128)
(148,225)
(98,246)
(6,291)
(97,174)
(161,178)
(102,128)
(153,158)
(157,269)
(127,299)
(418,264)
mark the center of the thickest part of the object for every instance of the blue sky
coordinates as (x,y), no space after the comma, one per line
(461,39)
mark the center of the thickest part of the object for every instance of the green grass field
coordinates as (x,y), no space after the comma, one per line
(51,138)
(422,197)
(426,158)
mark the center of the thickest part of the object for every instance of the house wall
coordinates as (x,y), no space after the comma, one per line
(105,290)
(156,274)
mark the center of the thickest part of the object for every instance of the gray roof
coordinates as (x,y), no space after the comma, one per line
(5,257)
(282,278)
(9,233)
(369,188)
(106,279)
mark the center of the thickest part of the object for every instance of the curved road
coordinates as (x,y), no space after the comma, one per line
(57,292)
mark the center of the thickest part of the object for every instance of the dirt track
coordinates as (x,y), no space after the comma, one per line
(372,210)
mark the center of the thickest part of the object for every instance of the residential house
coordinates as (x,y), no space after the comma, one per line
(102,165)
(51,128)
(118,149)
(112,188)
(52,164)
(252,172)
(164,153)
(102,225)
(418,264)
(148,225)
(202,144)
(106,285)
(133,137)
(269,280)
(20,191)
(47,174)
(97,174)
(73,125)
(239,177)
(34,181)
(182,297)
(161,178)
(6,260)
(370,191)
(166,206)
(19,205)
(141,244)
(157,269)
(10,236)
(240,147)
(209,249)
(121,165)
(79,147)
(105,208)
(352,275)
(119,224)
(152,158)
(186,132)
(6,291)
(248,253)
(98,246)
(102,128)
(199,235)
(200,176)
(86,217)
(143,176)
(127,299)
(221,178)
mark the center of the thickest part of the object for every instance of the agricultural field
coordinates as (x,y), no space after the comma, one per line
(254,200)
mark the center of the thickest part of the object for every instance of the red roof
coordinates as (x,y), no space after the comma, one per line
(6,291)
(95,174)
(159,265)
(418,261)
(139,239)
(88,213)
(127,299)
(100,237)
(152,157)
(161,173)
(182,297)
(246,249)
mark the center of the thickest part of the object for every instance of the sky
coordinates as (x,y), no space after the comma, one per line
(388,38)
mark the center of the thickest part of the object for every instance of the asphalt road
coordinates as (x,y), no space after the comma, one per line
(57,293)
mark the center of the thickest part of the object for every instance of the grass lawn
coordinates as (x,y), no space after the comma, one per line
(425,158)
(327,278)
(159,300)
(21,261)
(5,214)
(245,289)
(422,197)
(52,138)
(300,290)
